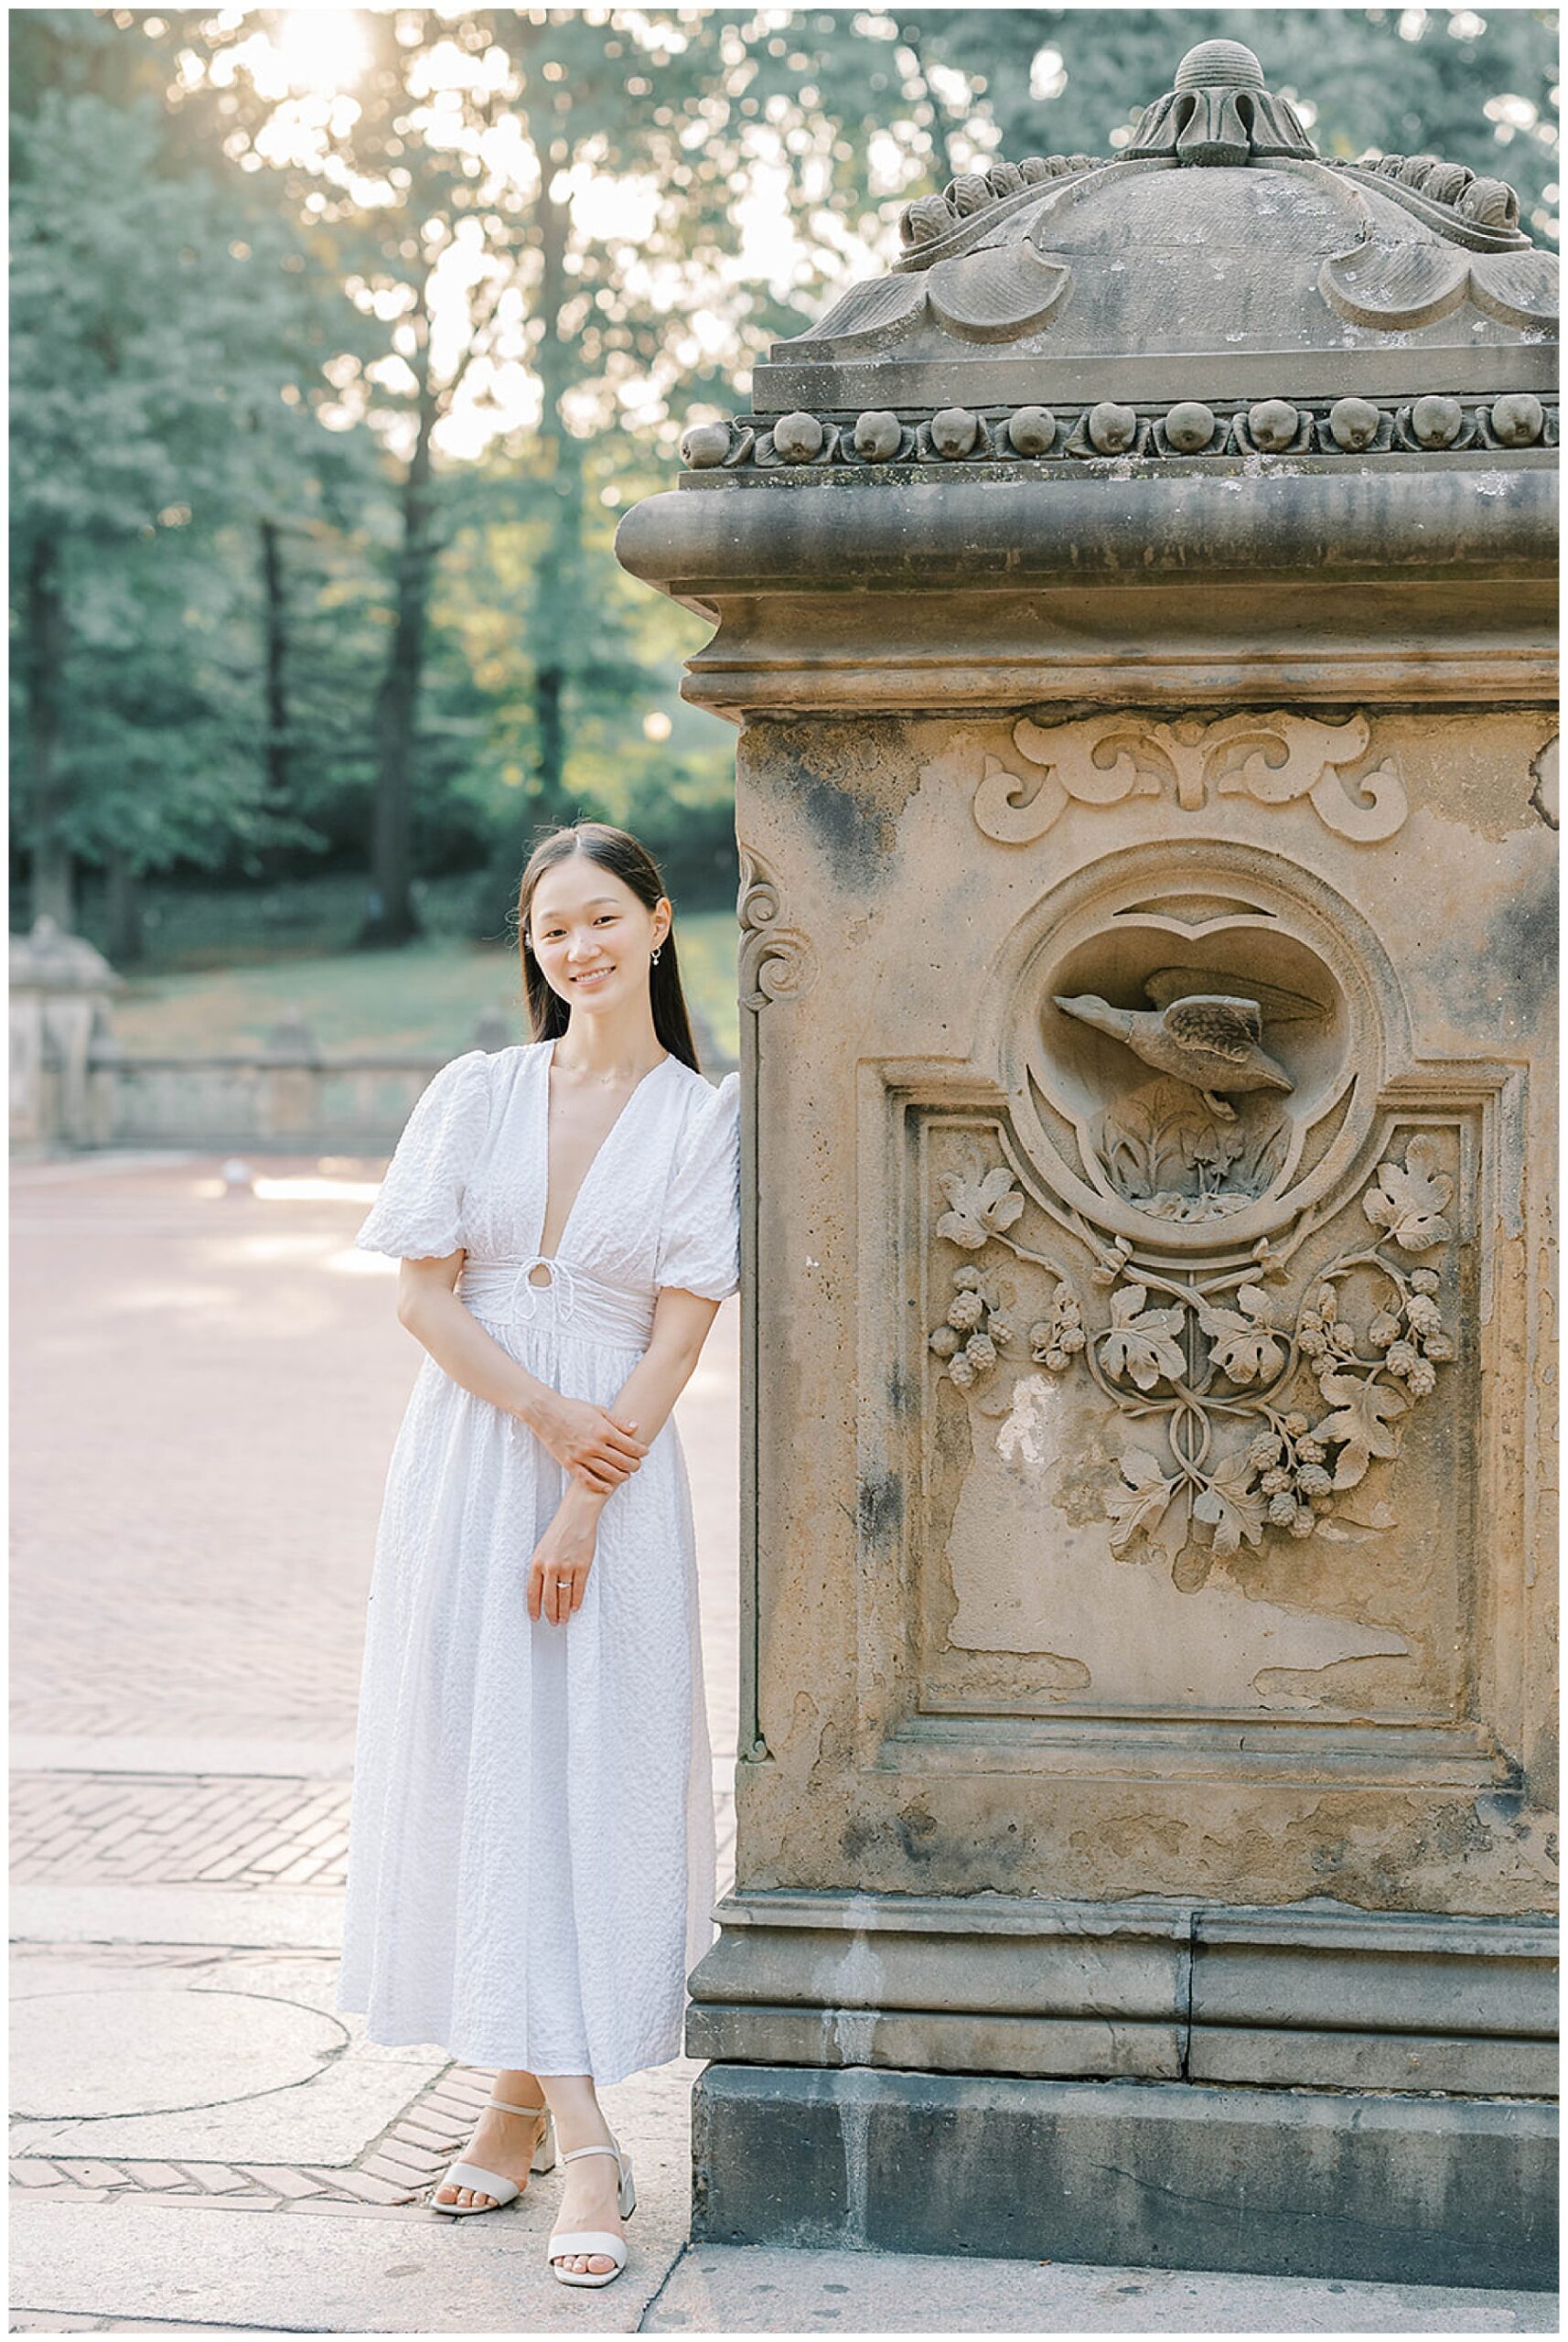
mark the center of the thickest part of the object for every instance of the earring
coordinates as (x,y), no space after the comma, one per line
(657,949)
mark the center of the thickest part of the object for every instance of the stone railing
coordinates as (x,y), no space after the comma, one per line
(289,1096)
(75,1085)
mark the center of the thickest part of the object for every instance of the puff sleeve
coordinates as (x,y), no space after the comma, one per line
(418,1214)
(699,1243)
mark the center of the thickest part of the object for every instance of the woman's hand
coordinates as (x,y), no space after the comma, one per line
(597,1448)
(558,1575)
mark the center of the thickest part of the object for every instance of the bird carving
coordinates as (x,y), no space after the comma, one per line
(1212,1041)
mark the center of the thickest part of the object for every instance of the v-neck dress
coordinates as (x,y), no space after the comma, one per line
(530,1863)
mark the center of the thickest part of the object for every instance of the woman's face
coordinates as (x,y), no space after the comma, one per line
(592,938)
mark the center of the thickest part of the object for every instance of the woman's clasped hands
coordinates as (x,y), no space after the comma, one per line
(599,1452)
(598,1449)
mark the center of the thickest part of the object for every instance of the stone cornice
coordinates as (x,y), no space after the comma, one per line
(1345,523)
(1279,587)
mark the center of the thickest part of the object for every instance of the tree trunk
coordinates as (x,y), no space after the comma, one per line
(558,600)
(277,747)
(276,623)
(122,907)
(43,662)
(390,917)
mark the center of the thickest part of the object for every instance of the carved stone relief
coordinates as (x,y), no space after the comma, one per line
(776,962)
(1262,1400)
(1202,1487)
(1273,759)
(1195,1068)
(1193,1296)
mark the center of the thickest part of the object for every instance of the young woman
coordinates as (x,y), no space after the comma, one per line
(530,1871)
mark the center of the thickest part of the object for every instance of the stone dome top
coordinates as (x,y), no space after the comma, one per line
(1219,257)
(1220,64)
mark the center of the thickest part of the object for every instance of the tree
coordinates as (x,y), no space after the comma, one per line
(154,343)
(478,185)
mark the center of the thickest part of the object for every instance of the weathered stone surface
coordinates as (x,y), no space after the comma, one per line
(1022,1985)
(1154,2175)
(974,1617)
(716,2289)
(1292,2056)
(1147,896)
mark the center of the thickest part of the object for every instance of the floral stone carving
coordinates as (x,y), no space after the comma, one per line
(1259,1413)
(1273,759)
(1170,1153)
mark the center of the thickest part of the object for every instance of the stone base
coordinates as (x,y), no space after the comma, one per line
(1144,2174)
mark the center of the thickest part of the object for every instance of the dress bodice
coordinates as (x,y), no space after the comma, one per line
(658,1205)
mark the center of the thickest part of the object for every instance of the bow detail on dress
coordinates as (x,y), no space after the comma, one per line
(526,1296)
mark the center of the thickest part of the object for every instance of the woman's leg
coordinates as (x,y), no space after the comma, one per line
(503,2143)
(590,2198)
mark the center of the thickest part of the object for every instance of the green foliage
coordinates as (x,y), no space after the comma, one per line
(327,399)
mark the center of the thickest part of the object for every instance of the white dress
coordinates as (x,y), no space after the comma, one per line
(531,1865)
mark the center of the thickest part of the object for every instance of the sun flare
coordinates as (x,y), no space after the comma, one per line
(321,48)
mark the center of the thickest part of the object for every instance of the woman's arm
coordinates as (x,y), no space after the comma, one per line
(599,1447)
(558,1573)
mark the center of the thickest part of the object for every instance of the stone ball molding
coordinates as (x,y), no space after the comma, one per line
(1434,423)
(878,435)
(1272,760)
(1189,427)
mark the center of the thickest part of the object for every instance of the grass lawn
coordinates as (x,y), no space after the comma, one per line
(429,995)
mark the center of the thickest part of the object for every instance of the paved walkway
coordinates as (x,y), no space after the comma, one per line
(205,1391)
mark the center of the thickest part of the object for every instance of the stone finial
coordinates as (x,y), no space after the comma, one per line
(1220,65)
(1220,110)
(48,959)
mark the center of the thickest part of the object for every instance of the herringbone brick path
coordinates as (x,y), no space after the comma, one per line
(177,1831)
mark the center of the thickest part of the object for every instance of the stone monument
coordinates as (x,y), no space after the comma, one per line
(61,989)
(1138,607)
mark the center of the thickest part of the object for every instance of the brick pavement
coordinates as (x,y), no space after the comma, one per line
(175,1829)
(206,1391)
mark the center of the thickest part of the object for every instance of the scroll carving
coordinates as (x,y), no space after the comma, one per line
(1273,759)
(776,962)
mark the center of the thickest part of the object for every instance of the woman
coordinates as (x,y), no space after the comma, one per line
(531,1870)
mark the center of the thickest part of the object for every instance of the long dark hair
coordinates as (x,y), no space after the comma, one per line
(618,853)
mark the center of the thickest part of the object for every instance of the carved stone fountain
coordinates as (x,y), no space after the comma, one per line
(1138,610)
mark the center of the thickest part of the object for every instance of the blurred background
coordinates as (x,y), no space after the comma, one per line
(340,339)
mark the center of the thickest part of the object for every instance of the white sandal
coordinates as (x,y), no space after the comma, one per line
(594,2243)
(495,2183)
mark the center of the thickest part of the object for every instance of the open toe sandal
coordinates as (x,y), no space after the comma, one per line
(595,2243)
(495,2184)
